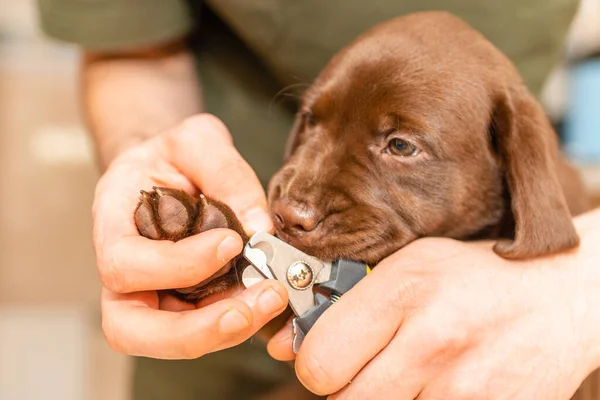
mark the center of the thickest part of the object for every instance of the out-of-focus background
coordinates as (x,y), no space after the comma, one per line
(51,344)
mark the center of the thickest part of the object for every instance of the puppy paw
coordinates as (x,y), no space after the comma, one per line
(172,214)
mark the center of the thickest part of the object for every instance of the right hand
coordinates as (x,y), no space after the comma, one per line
(199,153)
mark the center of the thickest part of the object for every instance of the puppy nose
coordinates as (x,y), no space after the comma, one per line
(294,218)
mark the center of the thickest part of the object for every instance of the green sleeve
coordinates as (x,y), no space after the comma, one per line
(114,24)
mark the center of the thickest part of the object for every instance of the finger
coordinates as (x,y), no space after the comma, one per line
(354,329)
(397,372)
(280,345)
(136,263)
(267,301)
(134,326)
(203,150)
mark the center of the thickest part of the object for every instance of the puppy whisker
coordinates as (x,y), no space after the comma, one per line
(284,93)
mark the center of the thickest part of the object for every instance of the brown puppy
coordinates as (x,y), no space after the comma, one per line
(420,127)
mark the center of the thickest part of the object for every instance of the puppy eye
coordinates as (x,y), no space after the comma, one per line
(310,119)
(403,148)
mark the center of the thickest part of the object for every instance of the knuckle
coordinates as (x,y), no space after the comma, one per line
(112,335)
(240,176)
(451,341)
(445,343)
(236,167)
(455,335)
(198,132)
(407,294)
(109,273)
(190,273)
(189,349)
(204,124)
(313,376)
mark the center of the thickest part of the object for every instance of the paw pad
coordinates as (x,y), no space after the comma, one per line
(166,214)
(172,214)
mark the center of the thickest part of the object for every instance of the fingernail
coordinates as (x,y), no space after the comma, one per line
(233,321)
(228,248)
(269,301)
(257,219)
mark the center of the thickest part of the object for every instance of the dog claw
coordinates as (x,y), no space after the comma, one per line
(203,200)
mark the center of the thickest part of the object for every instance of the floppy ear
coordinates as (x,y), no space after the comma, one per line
(529,153)
(292,140)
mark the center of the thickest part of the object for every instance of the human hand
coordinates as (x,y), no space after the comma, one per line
(198,153)
(442,319)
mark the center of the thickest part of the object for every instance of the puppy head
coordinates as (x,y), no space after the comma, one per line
(420,127)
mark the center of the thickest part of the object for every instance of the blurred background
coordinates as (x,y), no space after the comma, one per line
(51,344)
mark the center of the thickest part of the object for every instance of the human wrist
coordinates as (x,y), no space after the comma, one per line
(131,98)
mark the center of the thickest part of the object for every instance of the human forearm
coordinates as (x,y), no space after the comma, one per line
(129,97)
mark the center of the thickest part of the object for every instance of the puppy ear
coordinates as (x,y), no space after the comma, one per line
(529,153)
(293,140)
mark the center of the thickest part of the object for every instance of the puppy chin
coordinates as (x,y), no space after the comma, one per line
(371,248)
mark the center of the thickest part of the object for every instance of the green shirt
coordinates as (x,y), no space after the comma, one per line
(248,50)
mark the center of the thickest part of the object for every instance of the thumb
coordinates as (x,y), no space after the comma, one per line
(202,149)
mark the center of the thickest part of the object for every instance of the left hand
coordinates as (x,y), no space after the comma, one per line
(136,318)
(442,319)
